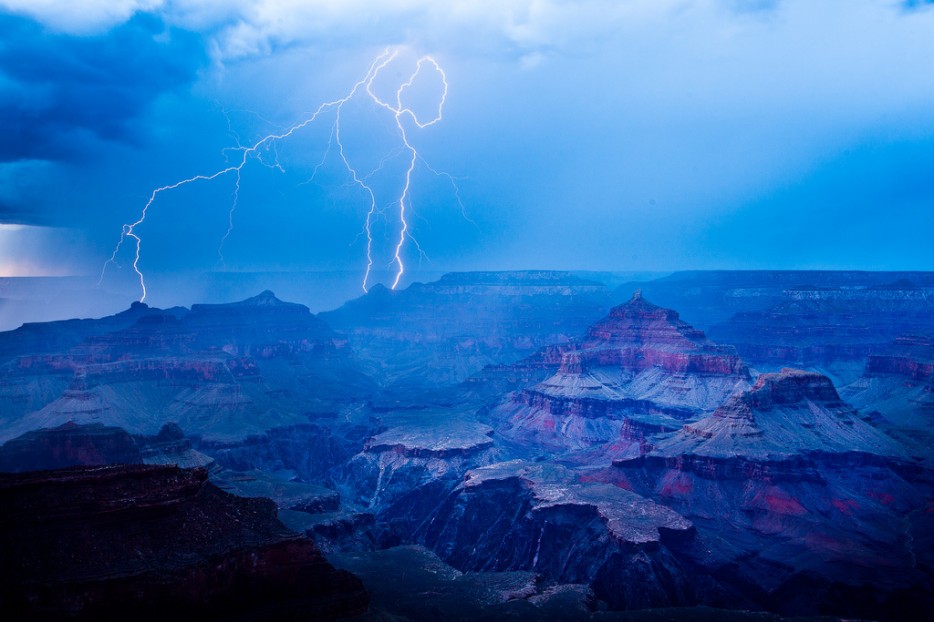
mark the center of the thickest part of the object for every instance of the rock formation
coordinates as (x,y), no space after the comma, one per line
(538,517)
(108,542)
(443,332)
(787,485)
(831,329)
(897,389)
(637,372)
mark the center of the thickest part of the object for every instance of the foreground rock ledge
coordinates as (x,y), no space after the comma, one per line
(140,541)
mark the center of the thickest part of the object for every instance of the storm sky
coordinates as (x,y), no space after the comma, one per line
(589,134)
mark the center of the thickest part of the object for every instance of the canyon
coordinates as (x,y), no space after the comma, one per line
(530,441)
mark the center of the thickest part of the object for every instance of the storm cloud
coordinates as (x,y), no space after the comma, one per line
(598,134)
(60,91)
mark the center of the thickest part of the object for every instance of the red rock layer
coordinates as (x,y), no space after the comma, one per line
(639,335)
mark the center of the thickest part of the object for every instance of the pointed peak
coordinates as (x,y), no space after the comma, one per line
(638,306)
(264,299)
(266,296)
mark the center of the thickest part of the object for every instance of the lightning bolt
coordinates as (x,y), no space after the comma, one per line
(230,214)
(398,112)
(269,143)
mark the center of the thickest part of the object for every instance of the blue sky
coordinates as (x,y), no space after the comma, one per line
(590,134)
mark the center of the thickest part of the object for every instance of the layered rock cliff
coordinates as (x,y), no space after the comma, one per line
(783,415)
(443,332)
(226,374)
(419,457)
(897,390)
(788,485)
(832,329)
(639,371)
(707,298)
(538,517)
(635,464)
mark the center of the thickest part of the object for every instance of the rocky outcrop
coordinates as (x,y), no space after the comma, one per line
(834,329)
(441,333)
(97,543)
(310,450)
(222,372)
(783,415)
(403,472)
(639,371)
(786,481)
(537,517)
(456,595)
(639,335)
(409,460)
(338,531)
(897,390)
(287,492)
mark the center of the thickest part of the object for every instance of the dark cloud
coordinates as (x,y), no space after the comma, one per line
(12,214)
(59,91)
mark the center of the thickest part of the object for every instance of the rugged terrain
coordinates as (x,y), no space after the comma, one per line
(788,486)
(531,446)
(98,542)
(636,372)
(443,332)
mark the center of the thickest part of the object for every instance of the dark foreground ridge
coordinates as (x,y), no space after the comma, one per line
(145,542)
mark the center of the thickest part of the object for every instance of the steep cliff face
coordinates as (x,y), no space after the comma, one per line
(834,329)
(419,458)
(639,371)
(96,543)
(441,333)
(785,481)
(57,337)
(784,415)
(222,372)
(34,367)
(536,517)
(897,389)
